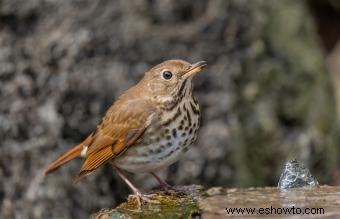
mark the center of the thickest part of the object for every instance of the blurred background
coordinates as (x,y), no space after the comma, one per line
(270,92)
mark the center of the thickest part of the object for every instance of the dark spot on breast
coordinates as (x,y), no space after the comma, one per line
(182,122)
(184,134)
(171,152)
(190,131)
(162,146)
(186,128)
(170,105)
(167,122)
(174,133)
(194,109)
(168,137)
(185,149)
(158,150)
(155,139)
(180,127)
(169,144)
(189,117)
(167,131)
(186,142)
(195,100)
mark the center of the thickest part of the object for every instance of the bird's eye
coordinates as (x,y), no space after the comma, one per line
(167,75)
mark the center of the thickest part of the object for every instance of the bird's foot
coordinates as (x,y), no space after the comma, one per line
(164,185)
(142,199)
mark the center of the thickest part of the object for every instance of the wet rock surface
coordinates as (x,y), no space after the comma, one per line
(321,202)
(324,198)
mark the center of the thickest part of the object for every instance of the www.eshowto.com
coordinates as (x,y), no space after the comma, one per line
(276,211)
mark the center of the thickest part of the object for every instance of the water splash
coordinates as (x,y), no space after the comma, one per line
(295,175)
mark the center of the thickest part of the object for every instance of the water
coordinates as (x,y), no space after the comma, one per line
(296,175)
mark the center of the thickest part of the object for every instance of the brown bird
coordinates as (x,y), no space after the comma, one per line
(149,126)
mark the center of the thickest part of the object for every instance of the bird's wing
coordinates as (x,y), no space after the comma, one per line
(124,123)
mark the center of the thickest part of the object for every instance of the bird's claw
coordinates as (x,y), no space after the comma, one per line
(141,199)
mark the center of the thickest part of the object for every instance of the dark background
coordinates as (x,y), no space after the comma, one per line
(269,94)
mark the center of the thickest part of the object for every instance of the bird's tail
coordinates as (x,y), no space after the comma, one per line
(63,159)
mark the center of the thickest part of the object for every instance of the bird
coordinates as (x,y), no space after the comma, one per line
(149,127)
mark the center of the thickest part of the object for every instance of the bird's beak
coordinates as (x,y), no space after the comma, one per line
(194,69)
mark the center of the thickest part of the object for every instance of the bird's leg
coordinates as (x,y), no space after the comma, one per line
(166,186)
(161,181)
(139,196)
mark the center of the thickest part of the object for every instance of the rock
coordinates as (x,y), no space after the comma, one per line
(318,202)
(174,204)
(306,202)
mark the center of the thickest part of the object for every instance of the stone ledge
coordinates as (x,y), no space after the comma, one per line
(194,202)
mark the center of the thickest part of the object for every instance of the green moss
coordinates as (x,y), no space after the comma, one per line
(172,205)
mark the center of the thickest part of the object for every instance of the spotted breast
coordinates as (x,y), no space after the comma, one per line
(173,129)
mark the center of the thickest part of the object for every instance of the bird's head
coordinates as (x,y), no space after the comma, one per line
(171,78)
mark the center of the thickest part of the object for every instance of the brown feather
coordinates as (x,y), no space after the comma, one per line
(94,161)
(68,156)
(106,151)
(123,124)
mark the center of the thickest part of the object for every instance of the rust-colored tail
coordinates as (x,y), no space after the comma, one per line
(68,156)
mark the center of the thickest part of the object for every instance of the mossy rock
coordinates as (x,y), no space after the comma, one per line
(173,205)
(322,202)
